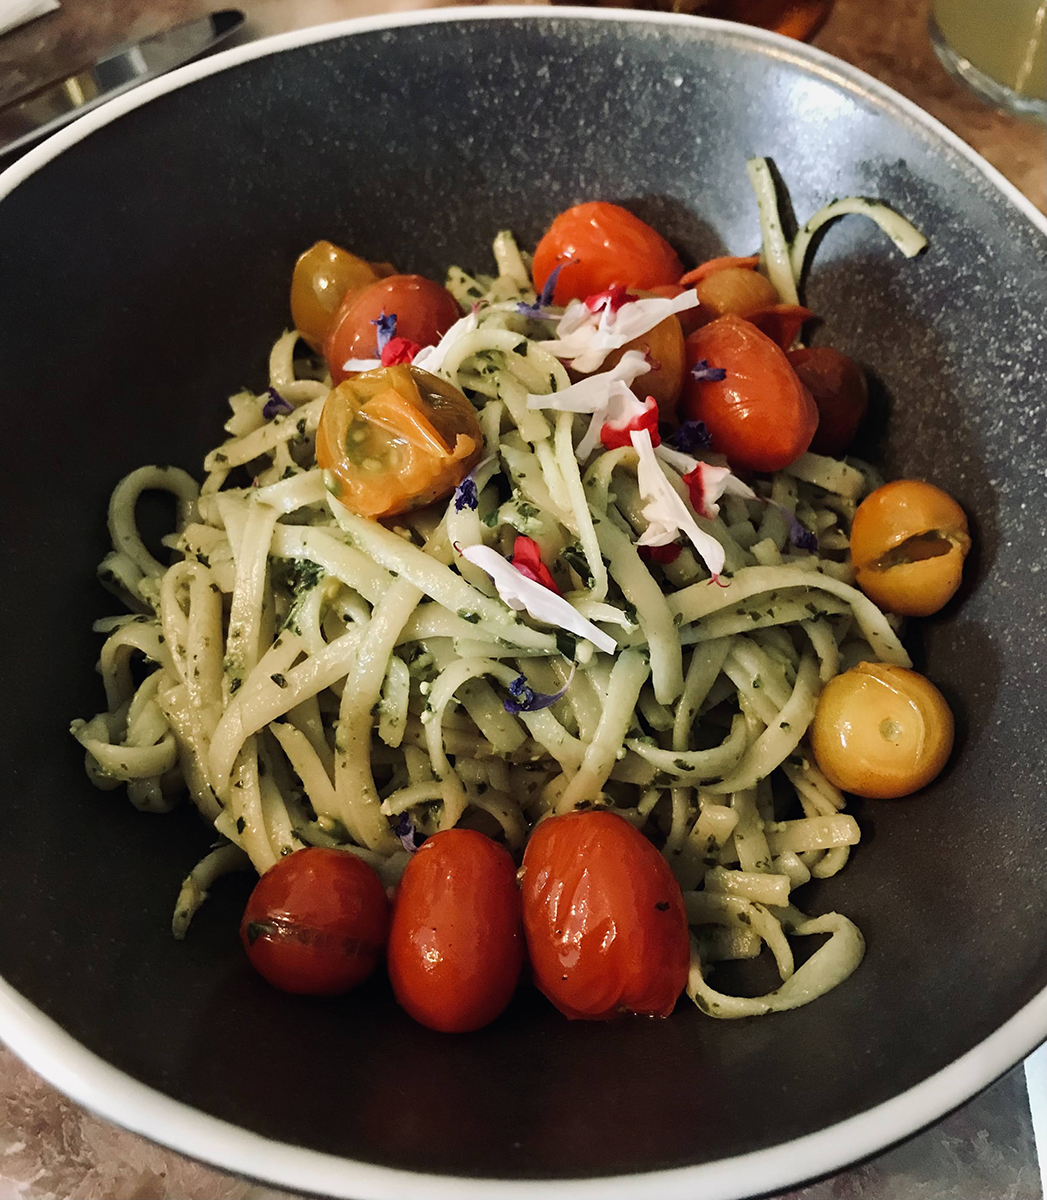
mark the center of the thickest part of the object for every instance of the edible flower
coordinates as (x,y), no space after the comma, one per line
(612,299)
(616,434)
(705,482)
(660,554)
(521,593)
(541,309)
(607,396)
(465,495)
(431,358)
(275,405)
(799,535)
(690,436)
(409,837)
(527,559)
(703,373)
(399,350)
(666,514)
(585,338)
(523,698)
(385,330)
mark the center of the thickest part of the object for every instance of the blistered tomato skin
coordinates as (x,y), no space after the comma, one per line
(456,944)
(909,540)
(760,415)
(599,244)
(316,922)
(424,312)
(604,917)
(881,731)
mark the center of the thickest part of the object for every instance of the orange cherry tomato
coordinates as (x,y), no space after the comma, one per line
(881,731)
(609,246)
(322,278)
(316,922)
(712,265)
(424,312)
(604,918)
(664,349)
(760,415)
(734,289)
(840,393)
(396,439)
(456,944)
(908,543)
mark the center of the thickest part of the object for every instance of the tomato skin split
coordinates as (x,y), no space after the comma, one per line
(604,917)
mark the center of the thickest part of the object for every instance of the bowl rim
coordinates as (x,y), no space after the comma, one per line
(113,1094)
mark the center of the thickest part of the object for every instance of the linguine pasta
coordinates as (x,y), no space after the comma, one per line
(314,677)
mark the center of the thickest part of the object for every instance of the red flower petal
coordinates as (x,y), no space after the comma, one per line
(527,559)
(660,554)
(399,350)
(615,296)
(615,436)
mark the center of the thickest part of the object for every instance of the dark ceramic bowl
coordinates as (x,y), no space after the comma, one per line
(145,257)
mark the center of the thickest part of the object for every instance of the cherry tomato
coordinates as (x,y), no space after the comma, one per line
(664,349)
(908,543)
(316,922)
(840,393)
(881,731)
(734,289)
(608,245)
(604,917)
(761,416)
(781,322)
(456,944)
(322,278)
(424,312)
(712,265)
(396,439)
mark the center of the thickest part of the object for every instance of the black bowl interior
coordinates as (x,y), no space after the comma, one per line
(145,274)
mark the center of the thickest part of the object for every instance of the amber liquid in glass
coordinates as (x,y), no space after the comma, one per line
(794,18)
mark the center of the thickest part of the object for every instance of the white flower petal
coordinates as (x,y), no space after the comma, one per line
(666,514)
(717,481)
(586,338)
(521,593)
(431,358)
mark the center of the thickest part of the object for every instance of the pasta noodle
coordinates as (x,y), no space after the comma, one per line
(313,677)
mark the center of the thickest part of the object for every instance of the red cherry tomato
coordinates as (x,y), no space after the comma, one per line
(316,922)
(456,943)
(761,416)
(424,313)
(840,392)
(609,245)
(604,917)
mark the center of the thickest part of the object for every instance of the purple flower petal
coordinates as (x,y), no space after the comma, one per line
(465,494)
(276,405)
(523,698)
(703,373)
(691,436)
(799,535)
(409,837)
(385,327)
(541,309)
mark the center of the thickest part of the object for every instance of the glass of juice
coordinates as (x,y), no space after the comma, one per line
(997,47)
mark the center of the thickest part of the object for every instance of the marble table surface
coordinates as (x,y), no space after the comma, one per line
(50,1148)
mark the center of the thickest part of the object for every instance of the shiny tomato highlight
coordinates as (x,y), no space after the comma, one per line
(456,944)
(424,312)
(604,918)
(760,415)
(316,922)
(599,244)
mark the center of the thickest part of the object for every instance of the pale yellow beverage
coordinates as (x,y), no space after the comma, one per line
(1003,39)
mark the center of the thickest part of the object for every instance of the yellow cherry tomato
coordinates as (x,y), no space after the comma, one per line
(396,439)
(664,349)
(908,543)
(881,731)
(734,290)
(322,277)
